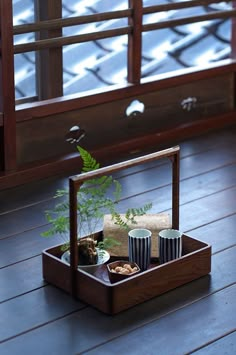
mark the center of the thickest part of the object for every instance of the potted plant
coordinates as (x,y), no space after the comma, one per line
(96,198)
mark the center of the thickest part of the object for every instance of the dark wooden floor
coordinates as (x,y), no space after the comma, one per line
(200,317)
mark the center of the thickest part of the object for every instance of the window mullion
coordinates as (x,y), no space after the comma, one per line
(233,36)
(49,61)
(134,42)
(7,89)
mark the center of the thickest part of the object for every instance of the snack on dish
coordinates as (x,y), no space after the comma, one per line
(120,270)
(126,269)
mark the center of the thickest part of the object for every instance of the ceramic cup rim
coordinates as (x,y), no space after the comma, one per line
(170,233)
(144,230)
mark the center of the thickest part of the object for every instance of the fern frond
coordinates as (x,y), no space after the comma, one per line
(59,225)
(116,217)
(117,191)
(95,198)
(89,163)
(108,243)
(61,193)
(129,217)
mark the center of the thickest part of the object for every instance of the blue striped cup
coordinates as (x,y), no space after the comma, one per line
(170,245)
(140,247)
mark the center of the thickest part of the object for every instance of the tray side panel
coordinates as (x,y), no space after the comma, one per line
(88,289)
(191,245)
(117,297)
(94,292)
(56,272)
(161,279)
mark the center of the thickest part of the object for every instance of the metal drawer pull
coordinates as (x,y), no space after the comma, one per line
(189,103)
(135,107)
(74,135)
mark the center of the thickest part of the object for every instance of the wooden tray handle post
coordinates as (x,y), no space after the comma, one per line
(77,180)
(175,188)
(73,189)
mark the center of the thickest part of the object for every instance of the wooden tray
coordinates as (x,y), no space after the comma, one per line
(96,289)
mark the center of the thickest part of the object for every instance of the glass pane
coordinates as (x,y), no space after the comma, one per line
(25,77)
(95,64)
(72,7)
(188,45)
(101,63)
(89,66)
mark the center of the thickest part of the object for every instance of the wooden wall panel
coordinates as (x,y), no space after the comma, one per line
(107,124)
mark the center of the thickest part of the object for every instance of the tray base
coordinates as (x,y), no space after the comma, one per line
(95,288)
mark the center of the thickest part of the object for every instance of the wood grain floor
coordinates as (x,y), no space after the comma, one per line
(199,317)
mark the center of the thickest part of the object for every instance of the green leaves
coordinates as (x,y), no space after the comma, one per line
(59,224)
(108,243)
(95,198)
(89,163)
(130,215)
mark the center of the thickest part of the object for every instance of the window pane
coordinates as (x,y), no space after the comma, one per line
(95,64)
(25,77)
(188,45)
(101,63)
(88,66)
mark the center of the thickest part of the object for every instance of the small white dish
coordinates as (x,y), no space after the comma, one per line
(103,257)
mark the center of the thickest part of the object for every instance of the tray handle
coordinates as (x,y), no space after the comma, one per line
(76,181)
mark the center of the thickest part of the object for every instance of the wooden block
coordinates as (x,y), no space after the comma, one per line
(153,222)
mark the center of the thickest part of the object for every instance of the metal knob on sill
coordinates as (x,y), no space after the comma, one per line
(75,134)
(189,103)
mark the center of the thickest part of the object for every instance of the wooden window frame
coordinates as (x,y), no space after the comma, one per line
(50,43)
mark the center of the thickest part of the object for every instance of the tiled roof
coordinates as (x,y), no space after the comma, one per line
(100,63)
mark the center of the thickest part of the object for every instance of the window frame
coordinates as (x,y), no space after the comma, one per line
(51,100)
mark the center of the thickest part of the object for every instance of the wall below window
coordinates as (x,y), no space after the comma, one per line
(107,124)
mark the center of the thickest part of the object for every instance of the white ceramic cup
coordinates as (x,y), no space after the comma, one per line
(140,247)
(170,245)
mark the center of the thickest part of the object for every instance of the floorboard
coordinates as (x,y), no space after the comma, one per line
(225,345)
(25,277)
(199,317)
(218,310)
(208,209)
(223,274)
(24,246)
(220,234)
(33,309)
